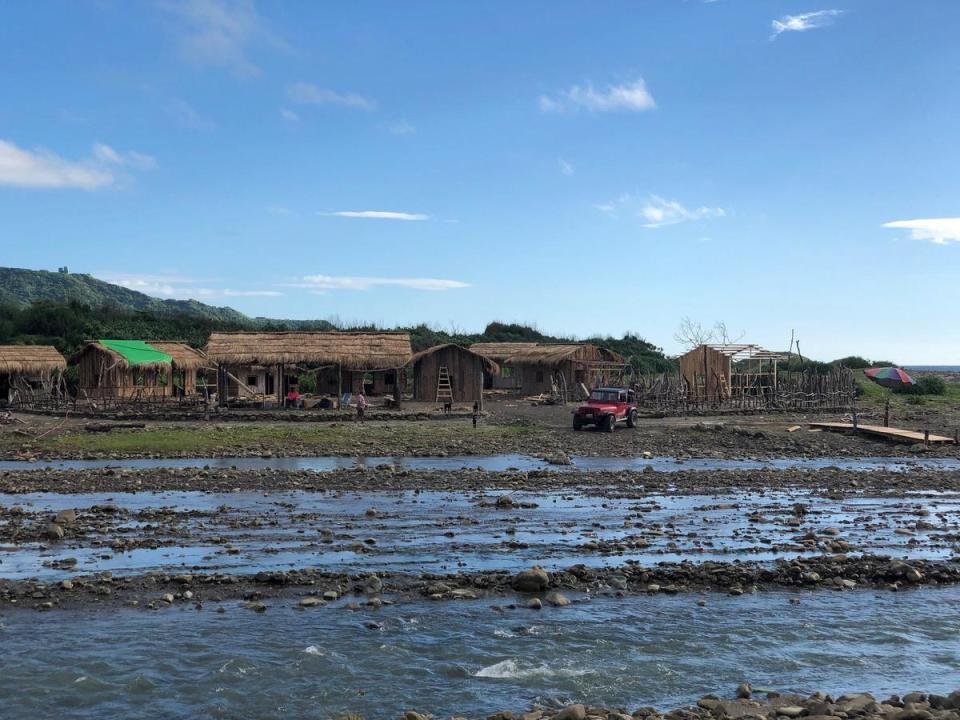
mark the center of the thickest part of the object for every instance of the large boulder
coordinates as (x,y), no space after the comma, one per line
(535,579)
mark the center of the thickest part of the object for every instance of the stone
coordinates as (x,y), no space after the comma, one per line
(411,715)
(311,601)
(617,581)
(464,594)
(167,598)
(504,501)
(744,691)
(66,517)
(534,604)
(535,579)
(557,599)
(373,585)
(572,712)
(54,532)
(67,585)
(791,711)
(331,595)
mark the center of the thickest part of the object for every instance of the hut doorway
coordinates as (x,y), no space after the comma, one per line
(368,384)
(4,388)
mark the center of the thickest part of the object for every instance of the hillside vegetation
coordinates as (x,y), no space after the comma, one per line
(22,288)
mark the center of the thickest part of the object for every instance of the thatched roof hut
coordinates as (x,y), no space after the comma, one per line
(450,373)
(138,368)
(368,351)
(30,359)
(544,367)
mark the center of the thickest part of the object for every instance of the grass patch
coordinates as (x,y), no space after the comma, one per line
(318,438)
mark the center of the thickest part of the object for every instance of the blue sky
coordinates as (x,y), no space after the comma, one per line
(590,167)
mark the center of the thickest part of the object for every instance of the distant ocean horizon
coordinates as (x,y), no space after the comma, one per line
(933,368)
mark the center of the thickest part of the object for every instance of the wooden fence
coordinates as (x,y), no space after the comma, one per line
(805,391)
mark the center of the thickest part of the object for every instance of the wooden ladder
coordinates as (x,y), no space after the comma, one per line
(444,388)
(724,389)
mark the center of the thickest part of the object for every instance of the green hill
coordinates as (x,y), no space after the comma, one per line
(22,288)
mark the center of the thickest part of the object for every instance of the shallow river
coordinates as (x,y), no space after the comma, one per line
(494,463)
(451,531)
(464,657)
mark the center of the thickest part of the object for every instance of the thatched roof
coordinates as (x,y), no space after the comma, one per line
(184,356)
(30,359)
(180,354)
(542,353)
(488,365)
(352,350)
(500,351)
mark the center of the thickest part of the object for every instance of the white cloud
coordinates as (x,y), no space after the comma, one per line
(322,283)
(41,168)
(220,33)
(940,231)
(289,115)
(377,215)
(401,128)
(657,211)
(280,211)
(565,167)
(803,22)
(632,96)
(108,156)
(182,113)
(304,93)
(178,287)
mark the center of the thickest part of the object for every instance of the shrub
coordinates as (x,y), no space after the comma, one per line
(926,385)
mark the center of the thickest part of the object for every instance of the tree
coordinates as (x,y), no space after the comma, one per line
(692,334)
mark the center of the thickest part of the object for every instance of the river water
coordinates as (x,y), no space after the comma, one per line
(465,658)
(448,531)
(493,463)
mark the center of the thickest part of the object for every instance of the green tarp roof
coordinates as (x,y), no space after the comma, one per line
(137,352)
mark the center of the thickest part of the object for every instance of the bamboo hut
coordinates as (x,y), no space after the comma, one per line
(29,372)
(448,374)
(721,372)
(137,370)
(536,368)
(260,365)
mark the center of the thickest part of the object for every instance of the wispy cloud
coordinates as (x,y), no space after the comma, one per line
(376,215)
(940,231)
(289,115)
(179,287)
(40,168)
(221,33)
(108,156)
(186,116)
(322,283)
(632,97)
(803,22)
(565,167)
(280,211)
(657,211)
(401,128)
(304,93)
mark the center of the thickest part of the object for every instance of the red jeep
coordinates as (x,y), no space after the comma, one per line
(605,408)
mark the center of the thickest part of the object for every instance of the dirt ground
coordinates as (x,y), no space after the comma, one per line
(509,426)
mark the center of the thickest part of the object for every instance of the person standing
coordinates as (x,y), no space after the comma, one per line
(361,406)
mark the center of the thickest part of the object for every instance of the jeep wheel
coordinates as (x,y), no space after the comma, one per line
(577,425)
(632,419)
(610,423)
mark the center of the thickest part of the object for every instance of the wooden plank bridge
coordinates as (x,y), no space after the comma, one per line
(890,433)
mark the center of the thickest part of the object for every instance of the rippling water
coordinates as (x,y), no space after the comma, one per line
(463,657)
(444,531)
(494,463)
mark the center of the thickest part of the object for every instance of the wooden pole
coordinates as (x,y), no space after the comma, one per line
(339,385)
(886,413)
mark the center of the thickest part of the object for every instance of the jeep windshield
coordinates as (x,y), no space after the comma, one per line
(610,396)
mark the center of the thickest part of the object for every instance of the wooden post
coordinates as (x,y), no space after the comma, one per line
(222,385)
(339,385)
(396,387)
(926,437)
(886,413)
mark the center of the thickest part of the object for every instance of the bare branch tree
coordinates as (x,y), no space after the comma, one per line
(691,334)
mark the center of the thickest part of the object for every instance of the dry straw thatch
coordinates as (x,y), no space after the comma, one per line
(30,359)
(351,350)
(543,354)
(488,365)
(184,356)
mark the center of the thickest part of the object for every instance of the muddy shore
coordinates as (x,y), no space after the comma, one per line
(629,484)
(530,589)
(759,703)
